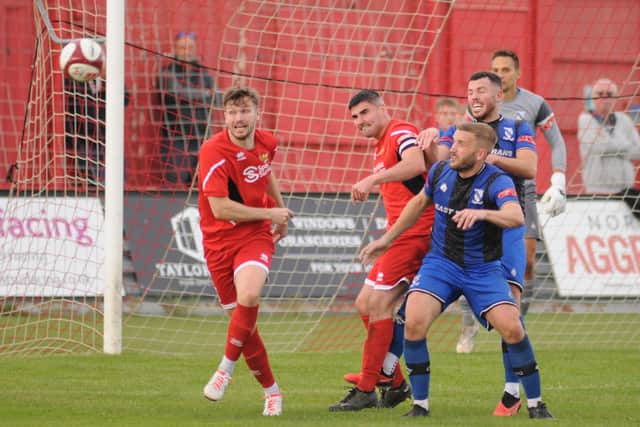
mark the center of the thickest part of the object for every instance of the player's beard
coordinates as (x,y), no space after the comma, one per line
(463,164)
(246,134)
(486,112)
(370,130)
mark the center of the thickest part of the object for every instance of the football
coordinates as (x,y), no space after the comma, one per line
(82,59)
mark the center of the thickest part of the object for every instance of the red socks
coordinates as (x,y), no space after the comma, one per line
(365,320)
(379,336)
(255,354)
(243,320)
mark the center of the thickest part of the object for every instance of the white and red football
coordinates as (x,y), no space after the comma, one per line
(82,59)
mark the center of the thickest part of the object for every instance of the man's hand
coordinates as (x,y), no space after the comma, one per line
(554,200)
(279,231)
(491,158)
(361,189)
(467,217)
(428,138)
(280,216)
(373,250)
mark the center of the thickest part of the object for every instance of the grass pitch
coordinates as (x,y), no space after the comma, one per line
(581,387)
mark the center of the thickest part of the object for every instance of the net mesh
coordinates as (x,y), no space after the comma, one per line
(306,59)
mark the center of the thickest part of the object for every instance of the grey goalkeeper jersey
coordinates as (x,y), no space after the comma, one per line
(534,110)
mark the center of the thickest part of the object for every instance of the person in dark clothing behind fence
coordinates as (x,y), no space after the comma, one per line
(185,91)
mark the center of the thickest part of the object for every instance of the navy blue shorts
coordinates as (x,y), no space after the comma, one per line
(514,256)
(483,285)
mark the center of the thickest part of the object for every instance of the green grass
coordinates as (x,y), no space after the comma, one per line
(590,365)
(297,332)
(582,387)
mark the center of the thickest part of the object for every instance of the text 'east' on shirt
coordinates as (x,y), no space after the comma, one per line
(488,189)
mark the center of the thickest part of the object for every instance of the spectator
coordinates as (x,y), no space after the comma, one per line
(185,93)
(609,143)
(448,113)
(85,128)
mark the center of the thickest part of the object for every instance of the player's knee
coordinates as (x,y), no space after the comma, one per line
(249,297)
(513,332)
(381,306)
(414,329)
(362,306)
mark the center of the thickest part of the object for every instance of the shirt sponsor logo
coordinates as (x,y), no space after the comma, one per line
(502,152)
(253,173)
(445,209)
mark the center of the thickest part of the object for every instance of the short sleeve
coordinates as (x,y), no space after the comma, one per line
(214,174)
(447,137)
(429,183)
(526,138)
(545,115)
(502,191)
(404,137)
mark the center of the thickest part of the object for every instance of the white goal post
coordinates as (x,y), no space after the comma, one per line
(114,177)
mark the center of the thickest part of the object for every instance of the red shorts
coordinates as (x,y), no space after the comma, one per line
(399,263)
(230,257)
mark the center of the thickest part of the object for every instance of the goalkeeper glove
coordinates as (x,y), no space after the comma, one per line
(554,200)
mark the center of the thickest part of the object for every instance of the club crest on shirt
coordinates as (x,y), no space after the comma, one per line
(478,194)
(264,157)
(521,115)
(508,134)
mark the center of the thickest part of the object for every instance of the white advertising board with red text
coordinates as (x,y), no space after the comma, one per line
(594,249)
(51,246)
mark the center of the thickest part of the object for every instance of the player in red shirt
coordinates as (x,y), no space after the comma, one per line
(399,169)
(240,200)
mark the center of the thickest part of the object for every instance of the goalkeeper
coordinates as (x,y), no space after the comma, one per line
(521,104)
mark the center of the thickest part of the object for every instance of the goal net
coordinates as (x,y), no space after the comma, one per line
(306,59)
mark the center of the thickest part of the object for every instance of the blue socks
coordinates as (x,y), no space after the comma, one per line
(416,356)
(524,364)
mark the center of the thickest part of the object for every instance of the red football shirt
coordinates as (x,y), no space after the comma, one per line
(399,136)
(228,170)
